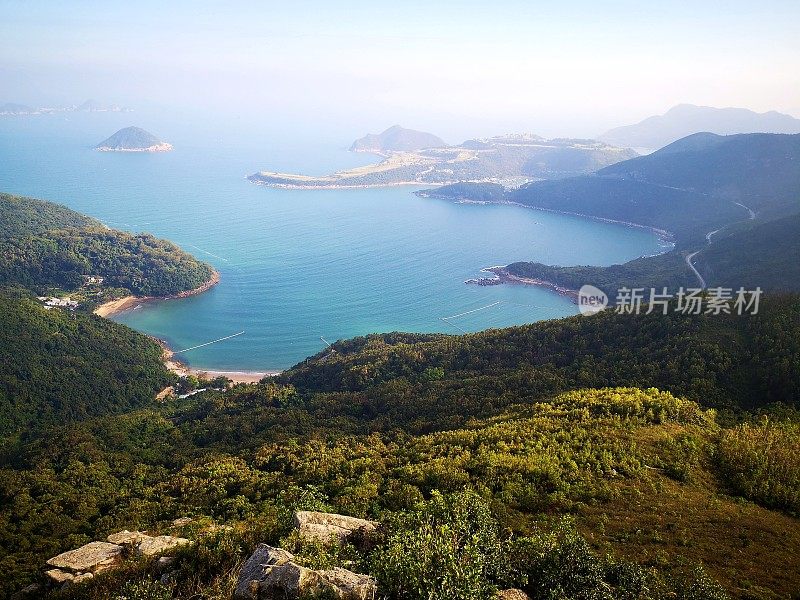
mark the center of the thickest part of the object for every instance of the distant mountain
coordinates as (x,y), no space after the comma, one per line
(11,108)
(396,139)
(761,170)
(686,119)
(730,202)
(133,139)
(94,106)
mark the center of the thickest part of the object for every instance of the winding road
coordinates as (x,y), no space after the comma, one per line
(689,257)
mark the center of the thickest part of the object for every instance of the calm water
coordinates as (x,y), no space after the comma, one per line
(296,265)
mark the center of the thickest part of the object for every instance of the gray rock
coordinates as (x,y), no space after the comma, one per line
(92,557)
(151,546)
(180,522)
(321,526)
(164,563)
(82,577)
(272,573)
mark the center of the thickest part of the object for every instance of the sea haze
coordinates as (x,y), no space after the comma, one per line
(296,266)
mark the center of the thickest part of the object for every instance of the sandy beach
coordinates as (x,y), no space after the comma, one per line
(180,368)
(113,307)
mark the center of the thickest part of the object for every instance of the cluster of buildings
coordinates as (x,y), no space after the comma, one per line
(50,302)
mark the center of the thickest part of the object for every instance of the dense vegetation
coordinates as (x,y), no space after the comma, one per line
(606,457)
(59,366)
(755,254)
(43,246)
(398,426)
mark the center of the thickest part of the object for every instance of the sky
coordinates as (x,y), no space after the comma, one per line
(460,69)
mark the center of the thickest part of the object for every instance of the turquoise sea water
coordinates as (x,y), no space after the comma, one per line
(296,266)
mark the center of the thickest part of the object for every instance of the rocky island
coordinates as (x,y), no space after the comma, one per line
(133,139)
(511,160)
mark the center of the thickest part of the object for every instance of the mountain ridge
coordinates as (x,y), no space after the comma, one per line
(685,119)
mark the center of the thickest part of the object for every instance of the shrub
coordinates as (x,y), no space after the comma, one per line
(448,548)
(762,462)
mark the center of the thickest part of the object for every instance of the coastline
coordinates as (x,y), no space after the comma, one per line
(501,276)
(662,234)
(182,369)
(119,305)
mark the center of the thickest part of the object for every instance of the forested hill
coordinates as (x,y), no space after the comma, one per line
(471,450)
(729,202)
(688,188)
(722,361)
(45,245)
(58,366)
(760,170)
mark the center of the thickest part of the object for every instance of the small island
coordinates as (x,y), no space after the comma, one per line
(133,139)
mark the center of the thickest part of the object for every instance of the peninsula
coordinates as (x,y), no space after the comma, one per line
(133,139)
(511,160)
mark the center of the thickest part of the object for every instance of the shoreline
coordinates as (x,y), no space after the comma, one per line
(662,234)
(502,276)
(177,366)
(120,305)
(182,369)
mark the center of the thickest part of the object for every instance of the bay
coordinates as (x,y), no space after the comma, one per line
(298,268)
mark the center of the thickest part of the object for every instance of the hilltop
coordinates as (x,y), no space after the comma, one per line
(686,119)
(396,139)
(133,139)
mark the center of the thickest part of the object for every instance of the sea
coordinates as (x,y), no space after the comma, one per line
(299,269)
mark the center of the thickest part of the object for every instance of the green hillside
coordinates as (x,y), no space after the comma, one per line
(496,435)
(58,366)
(44,245)
(756,254)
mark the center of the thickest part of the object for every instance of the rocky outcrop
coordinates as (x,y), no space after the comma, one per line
(92,557)
(320,526)
(75,566)
(273,573)
(147,545)
(153,546)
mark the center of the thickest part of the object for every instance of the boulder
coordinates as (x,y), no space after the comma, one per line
(273,573)
(152,546)
(181,521)
(82,577)
(321,526)
(512,594)
(164,563)
(58,576)
(92,557)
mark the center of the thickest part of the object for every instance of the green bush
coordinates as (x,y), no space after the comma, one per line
(448,548)
(762,462)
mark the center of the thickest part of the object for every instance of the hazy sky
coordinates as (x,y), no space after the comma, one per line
(459,68)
